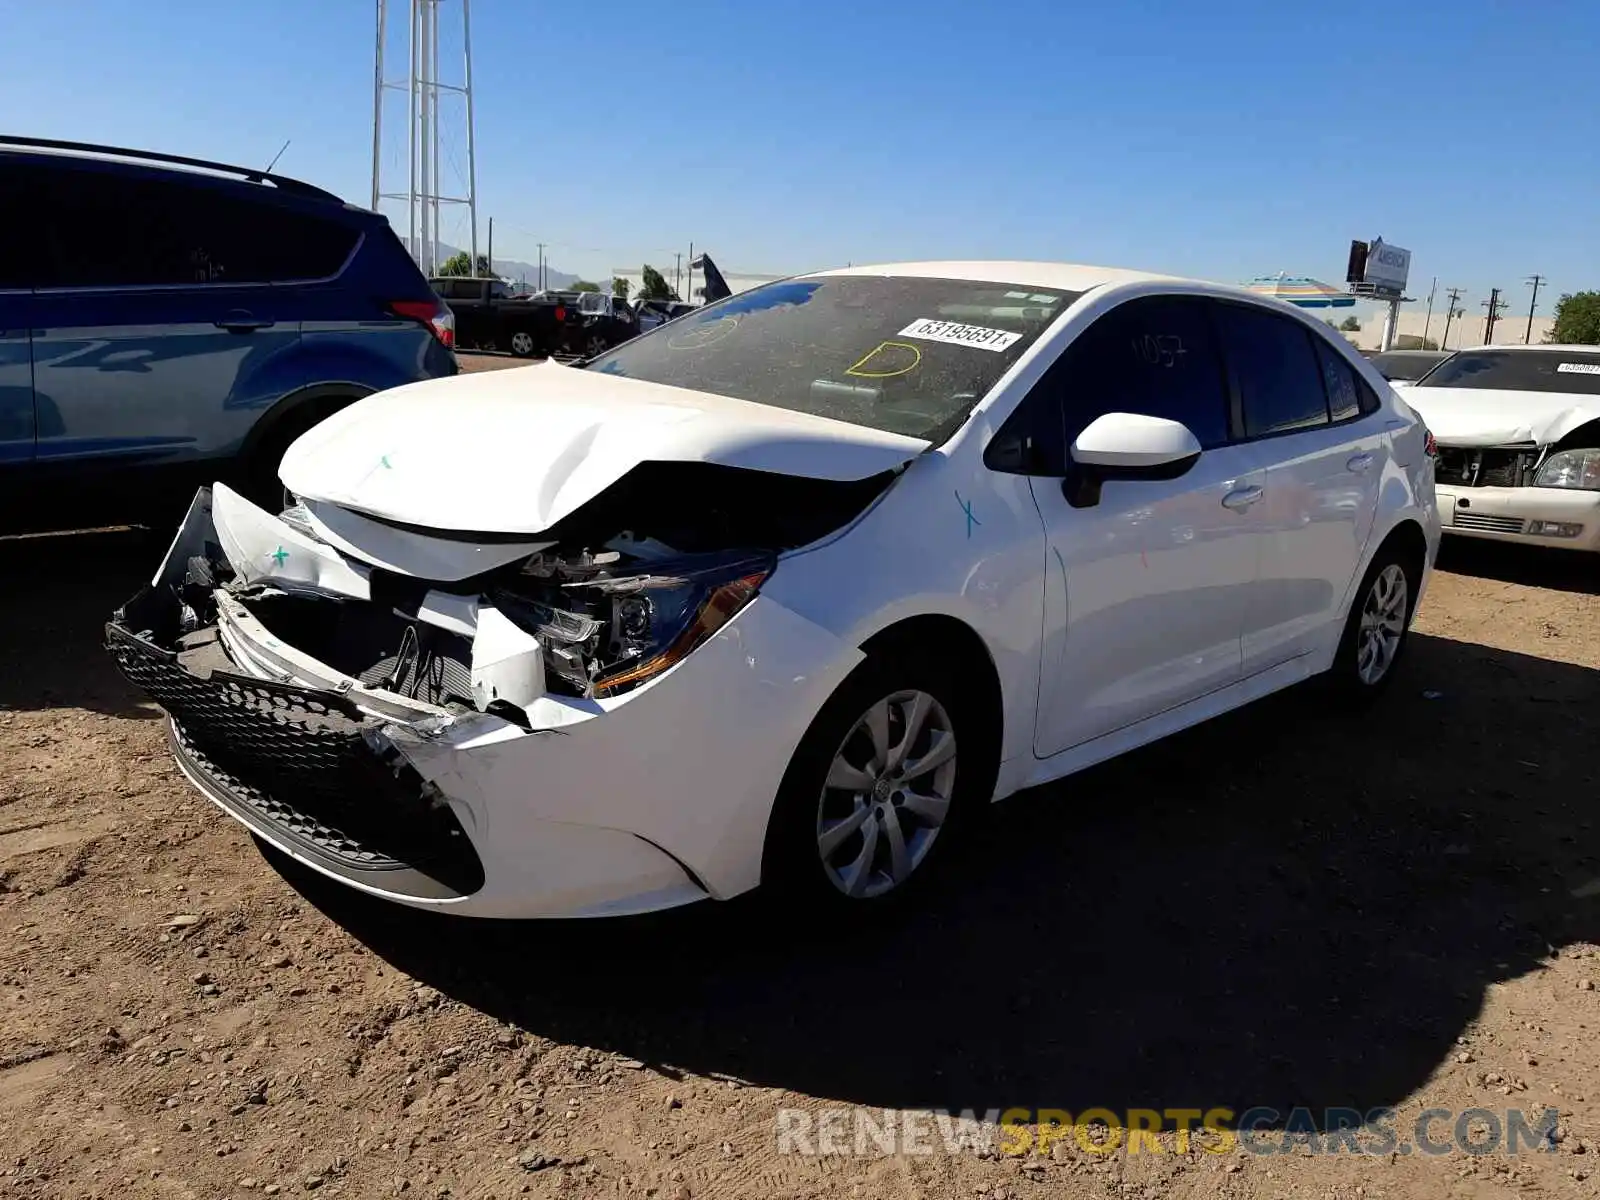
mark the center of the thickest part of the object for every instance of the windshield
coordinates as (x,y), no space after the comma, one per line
(903,355)
(1576,371)
(1405,366)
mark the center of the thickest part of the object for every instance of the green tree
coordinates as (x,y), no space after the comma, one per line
(619,288)
(1413,341)
(460,263)
(1577,320)
(1350,325)
(654,286)
(583,285)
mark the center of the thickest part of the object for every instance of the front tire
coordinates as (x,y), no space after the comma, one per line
(1378,627)
(879,791)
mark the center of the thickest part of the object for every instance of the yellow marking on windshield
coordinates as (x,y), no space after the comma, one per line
(881,347)
(707,334)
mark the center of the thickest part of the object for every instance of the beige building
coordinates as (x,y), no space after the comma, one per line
(1510,329)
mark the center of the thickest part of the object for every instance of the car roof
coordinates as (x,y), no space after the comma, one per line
(153,162)
(1066,277)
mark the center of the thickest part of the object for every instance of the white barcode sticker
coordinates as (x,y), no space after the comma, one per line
(1578,368)
(977,336)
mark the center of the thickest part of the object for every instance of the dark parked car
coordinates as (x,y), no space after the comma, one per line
(170,320)
(651,313)
(1407,366)
(489,317)
(606,321)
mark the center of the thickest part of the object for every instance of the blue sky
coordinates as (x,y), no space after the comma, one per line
(1219,138)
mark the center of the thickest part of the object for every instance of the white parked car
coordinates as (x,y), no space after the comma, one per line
(1518,429)
(785,591)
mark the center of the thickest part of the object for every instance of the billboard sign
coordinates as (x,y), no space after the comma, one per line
(1387,267)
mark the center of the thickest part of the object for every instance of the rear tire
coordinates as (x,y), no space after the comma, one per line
(1378,628)
(880,792)
(522,344)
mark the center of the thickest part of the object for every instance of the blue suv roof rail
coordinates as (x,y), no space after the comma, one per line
(283,182)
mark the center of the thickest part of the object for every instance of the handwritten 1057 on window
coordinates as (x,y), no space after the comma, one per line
(1159,349)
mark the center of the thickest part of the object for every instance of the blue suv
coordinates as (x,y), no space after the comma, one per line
(168,321)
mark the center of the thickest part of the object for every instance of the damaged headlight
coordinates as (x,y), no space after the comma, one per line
(1578,469)
(607,634)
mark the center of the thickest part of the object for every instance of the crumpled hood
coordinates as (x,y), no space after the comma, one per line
(515,451)
(1492,417)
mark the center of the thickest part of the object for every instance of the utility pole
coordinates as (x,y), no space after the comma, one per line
(541,266)
(677,274)
(1494,304)
(1535,281)
(1451,311)
(1428,323)
(491,247)
(688,295)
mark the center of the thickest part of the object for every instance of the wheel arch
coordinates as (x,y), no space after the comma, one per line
(1406,534)
(295,407)
(969,655)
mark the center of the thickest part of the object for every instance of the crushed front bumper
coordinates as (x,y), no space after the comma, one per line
(651,800)
(304,769)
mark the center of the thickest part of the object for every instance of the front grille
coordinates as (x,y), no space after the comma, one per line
(1472,520)
(295,763)
(1484,468)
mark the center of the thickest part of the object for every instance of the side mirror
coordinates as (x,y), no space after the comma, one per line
(1127,446)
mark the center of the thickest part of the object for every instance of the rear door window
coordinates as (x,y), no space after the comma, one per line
(111,229)
(16,247)
(1275,370)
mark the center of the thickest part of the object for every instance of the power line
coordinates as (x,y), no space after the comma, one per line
(1535,281)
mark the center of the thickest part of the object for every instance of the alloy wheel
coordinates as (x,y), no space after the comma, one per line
(887,794)
(522,344)
(1383,624)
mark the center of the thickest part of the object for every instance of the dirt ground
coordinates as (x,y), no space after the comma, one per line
(1284,907)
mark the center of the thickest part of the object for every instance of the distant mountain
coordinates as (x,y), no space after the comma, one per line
(514,269)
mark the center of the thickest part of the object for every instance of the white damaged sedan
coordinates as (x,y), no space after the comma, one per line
(784,591)
(1518,431)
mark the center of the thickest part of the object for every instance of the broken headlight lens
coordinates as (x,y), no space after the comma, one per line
(606,635)
(1571,469)
(659,618)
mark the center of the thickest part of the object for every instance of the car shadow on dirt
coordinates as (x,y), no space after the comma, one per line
(59,592)
(1287,906)
(1532,566)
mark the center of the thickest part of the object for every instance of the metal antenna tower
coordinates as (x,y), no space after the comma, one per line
(424,118)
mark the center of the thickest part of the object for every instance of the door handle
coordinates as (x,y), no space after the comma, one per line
(1241,499)
(1359,463)
(240,321)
